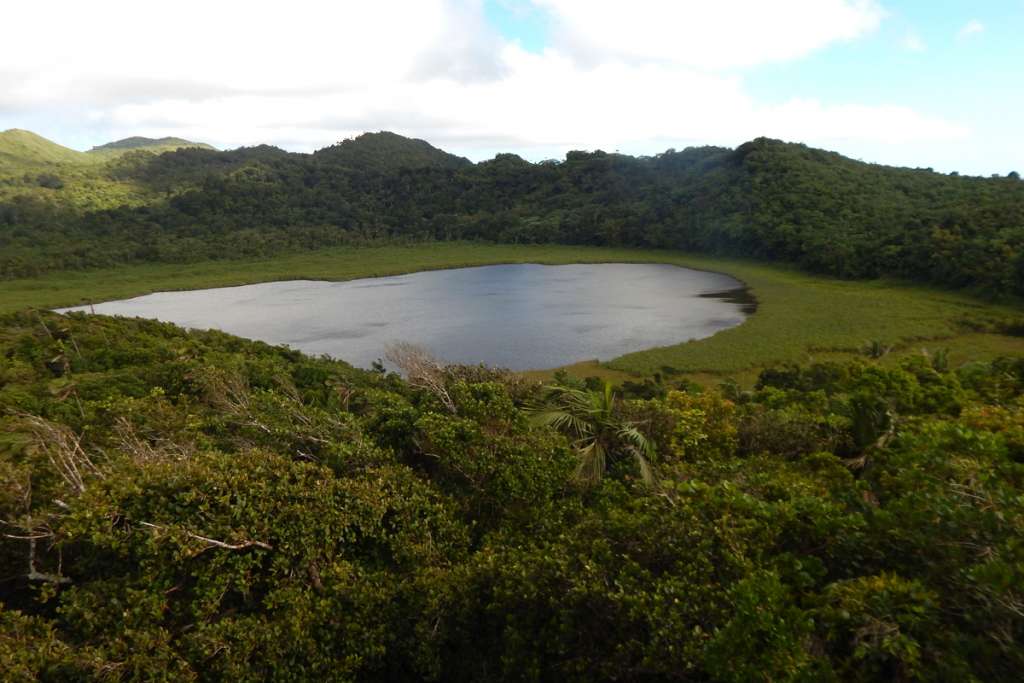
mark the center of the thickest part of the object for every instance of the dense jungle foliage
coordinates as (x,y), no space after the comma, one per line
(193,506)
(766,199)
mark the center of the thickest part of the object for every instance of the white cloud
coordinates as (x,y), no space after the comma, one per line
(544,102)
(307,74)
(710,35)
(114,49)
(810,120)
(971,28)
(912,42)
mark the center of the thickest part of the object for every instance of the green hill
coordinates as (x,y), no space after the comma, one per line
(385,151)
(22,150)
(766,199)
(137,143)
(41,172)
(25,148)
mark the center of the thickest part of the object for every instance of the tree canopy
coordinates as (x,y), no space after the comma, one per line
(194,506)
(766,199)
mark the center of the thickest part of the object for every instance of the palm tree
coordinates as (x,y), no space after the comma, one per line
(598,433)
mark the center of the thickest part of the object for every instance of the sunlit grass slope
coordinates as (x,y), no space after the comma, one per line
(24,148)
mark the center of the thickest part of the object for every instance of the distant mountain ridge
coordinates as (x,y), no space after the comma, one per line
(139,142)
(766,199)
(385,151)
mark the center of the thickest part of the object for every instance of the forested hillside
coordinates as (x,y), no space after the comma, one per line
(35,172)
(766,199)
(386,151)
(192,506)
(22,149)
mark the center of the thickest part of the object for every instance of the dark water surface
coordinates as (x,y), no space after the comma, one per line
(515,316)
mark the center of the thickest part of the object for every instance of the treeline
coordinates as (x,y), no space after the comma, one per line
(193,506)
(765,199)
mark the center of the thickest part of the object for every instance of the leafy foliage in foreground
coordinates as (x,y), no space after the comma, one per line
(765,199)
(192,506)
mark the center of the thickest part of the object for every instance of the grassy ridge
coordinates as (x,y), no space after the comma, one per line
(799,317)
(26,149)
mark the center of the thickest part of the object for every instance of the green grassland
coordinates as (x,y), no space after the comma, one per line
(24,149)
(800,317)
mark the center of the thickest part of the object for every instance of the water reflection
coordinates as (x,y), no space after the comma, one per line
(517,316)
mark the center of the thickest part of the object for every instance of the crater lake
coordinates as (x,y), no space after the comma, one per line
(518,316)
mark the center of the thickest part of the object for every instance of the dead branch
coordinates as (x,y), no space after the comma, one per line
(25,537)
(78,351)
(421,370)
(287,387)
(214,542)
(344,394)
(32,531)
(36,575)
(45,326)
(64,451)
(142,450)
(70,390)
(229,390)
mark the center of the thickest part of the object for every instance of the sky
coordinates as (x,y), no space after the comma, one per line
(920,83)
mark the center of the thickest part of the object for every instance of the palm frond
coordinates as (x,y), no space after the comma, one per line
(593,461)
(568,398)
(603,402)
(642,450)
(636,439)
(646,471)
(563,421)
(589,419)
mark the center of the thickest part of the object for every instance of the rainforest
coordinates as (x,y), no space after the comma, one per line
(831,490)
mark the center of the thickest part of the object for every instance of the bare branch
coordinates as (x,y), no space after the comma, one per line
(45,326)
(27,537)
(214,542)
(141,450)
(421,370)
(64,451)
(229,390)
(36,575)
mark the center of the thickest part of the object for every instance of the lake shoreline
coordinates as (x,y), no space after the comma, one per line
(800,318)
(515,316)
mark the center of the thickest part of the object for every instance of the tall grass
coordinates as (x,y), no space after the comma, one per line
(800,316)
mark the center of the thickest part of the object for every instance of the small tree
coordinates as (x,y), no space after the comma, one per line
(598,432)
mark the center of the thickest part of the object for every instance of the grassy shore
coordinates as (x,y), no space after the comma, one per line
(800,317)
